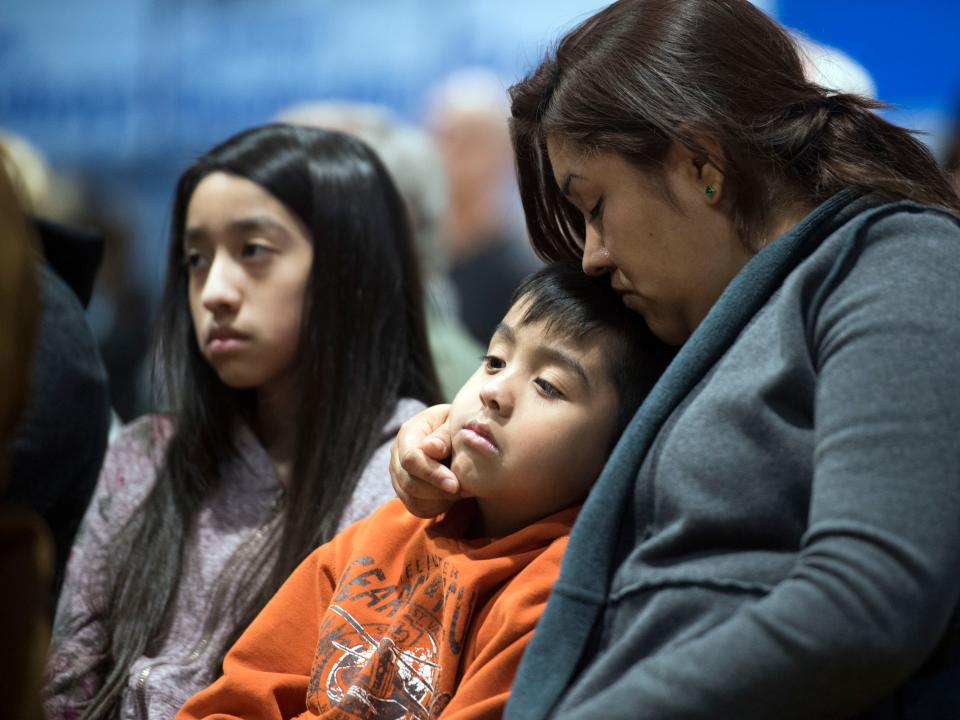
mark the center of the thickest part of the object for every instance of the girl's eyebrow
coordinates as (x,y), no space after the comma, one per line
(194,234)
(259,223)
(241,226)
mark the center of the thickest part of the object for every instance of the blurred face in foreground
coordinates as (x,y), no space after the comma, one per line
(533,426)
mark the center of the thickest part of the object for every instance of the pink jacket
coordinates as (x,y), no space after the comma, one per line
(232,525)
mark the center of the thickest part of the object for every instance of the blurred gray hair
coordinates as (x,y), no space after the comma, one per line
(410,157)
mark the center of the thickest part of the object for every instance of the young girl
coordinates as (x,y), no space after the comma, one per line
(291,346)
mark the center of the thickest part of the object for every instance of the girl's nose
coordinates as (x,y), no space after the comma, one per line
(221,292)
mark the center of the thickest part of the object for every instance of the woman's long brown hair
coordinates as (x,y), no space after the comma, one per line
(642,74)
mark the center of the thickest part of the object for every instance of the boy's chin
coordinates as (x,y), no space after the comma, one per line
(472,477)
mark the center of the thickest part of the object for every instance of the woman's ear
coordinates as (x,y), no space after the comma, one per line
(701,166)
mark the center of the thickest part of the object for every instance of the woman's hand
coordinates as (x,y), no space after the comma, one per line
(422,482)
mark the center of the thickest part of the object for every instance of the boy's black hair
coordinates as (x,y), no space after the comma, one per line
(578,307)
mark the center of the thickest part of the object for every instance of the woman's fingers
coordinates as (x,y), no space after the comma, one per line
(421,481)
(437,443)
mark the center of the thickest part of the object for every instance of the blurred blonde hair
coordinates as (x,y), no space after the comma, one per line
(19,306)
(38,189)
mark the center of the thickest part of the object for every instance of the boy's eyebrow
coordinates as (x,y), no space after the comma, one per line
(508,334)
(558,357)
(551,354)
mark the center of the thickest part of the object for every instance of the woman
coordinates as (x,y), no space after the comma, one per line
(292,344)
(776,535)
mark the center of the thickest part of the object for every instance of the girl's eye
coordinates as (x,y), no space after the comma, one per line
(596,211)
(195,261)
(254,250)
(492,362)
(548,389)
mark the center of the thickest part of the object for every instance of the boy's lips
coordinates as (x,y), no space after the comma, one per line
(479,435)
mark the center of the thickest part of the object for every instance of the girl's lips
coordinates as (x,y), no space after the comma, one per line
(478,435)
(218,346)
(225,340)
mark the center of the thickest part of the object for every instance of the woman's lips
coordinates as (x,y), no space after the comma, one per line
(479,436)
(628,297)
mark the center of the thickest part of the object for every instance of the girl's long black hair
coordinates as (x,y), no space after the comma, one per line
(363,345)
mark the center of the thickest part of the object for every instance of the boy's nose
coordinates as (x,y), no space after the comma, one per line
(496,395)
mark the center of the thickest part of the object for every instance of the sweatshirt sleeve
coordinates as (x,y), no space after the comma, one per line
(267,671)
(876,580)
(78,656)
(502,636)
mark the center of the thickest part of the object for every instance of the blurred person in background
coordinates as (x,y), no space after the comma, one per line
(415,166)
(119,312)
(290,346)
(86,238)
(61,439)
(467,115)
(26,548)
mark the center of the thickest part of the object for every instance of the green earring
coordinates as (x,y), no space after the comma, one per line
(710,191)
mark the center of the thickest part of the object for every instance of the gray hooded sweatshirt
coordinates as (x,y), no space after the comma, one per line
(777,533)
(231,529)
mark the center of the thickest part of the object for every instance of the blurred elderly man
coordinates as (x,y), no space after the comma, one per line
(467,116)
(415,166)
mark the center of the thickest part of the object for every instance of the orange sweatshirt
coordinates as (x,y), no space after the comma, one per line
(396,617)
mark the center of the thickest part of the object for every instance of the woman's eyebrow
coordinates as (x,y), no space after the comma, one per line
(567,179)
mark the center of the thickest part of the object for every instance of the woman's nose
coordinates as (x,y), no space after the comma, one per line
(596,259)
(497,395)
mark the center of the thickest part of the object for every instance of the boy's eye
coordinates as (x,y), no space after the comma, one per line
(492,362)
(548,388)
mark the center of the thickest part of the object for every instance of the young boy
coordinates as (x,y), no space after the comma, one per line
(399,617)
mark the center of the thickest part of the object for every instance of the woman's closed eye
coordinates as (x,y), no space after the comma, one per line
(596,212)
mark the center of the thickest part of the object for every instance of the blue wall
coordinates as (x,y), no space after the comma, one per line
(126,92)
